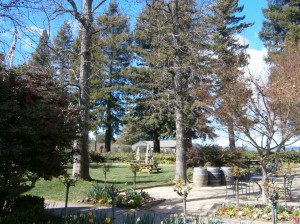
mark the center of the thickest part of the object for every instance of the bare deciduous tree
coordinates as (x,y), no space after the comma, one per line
(85,18)
(272,119)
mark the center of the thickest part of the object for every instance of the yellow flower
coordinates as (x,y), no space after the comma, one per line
(138,219)
(91,220)
(128,213)
(107,220)
(90,213)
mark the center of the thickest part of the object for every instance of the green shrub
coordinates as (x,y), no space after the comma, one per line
(21,203)
(119,156)
(165,158)
(194,157)
(99,194)
(290,156)
(96,157)
(214,155)
(131,199)
(123,157)
(25,209)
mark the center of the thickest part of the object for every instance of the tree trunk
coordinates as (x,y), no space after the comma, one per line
(179,85)
(180,146)
(156,142)
(263,182)
(108,137)
(84,82)
(231,136)
(108,126)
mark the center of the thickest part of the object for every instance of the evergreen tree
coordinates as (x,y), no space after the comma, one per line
(231,57)
(150,103)
(281,25)
(62,47)
(41,58)
(175,34)
(108,84)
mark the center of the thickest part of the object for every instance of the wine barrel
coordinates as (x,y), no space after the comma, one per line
(226,174)
(200,177)
(214,176)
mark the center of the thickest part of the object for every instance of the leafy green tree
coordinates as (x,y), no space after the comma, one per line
(231,57)
(41,58)
(281,25)
(37,129)
(110,81)
(62,43)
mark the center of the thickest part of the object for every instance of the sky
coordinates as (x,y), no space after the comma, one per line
(252,11)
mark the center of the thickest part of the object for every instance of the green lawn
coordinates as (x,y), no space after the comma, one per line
(118,175)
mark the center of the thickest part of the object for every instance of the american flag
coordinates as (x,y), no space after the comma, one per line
(10,54)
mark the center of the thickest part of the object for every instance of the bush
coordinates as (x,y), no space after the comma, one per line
(96,157)
(214,155)
(165,158)
(119,156)
(25,209)
(99,194)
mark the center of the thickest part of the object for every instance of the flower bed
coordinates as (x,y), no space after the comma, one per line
(99,194)
(258,212)
(132,199)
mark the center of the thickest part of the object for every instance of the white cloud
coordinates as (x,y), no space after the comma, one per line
(7,34)
(27,44)
(34,29)
(257,66)
(241,39)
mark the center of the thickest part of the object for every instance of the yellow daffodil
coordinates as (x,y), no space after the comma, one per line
(91,220)
(90,213)
(107,220)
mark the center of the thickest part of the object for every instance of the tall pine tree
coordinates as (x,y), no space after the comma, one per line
(281,26)
(41,58)
(62,48)
(231,57)
(108,84)
(175,34)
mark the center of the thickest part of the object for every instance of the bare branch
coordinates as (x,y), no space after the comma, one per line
(75,12)
(98,5)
